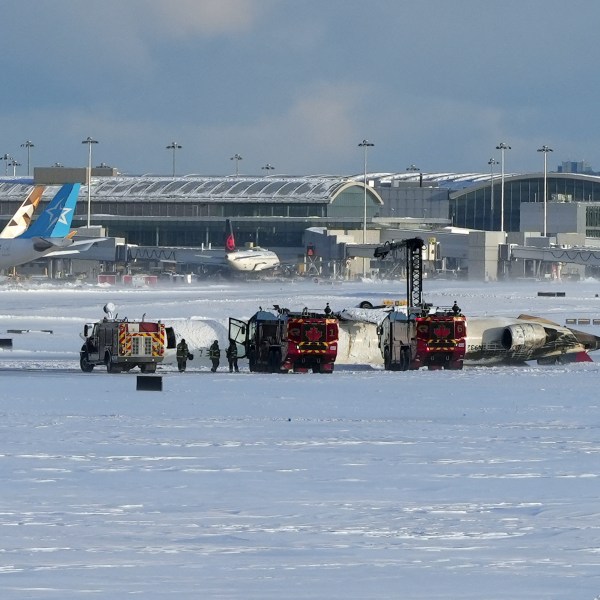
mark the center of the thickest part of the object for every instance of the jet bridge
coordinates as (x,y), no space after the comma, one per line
(589,257)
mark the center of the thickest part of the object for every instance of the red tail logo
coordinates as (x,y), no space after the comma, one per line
(230,243)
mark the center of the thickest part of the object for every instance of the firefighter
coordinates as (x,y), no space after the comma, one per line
(232,356)
(214,353)
(328,310)
(182,355)
(456,308)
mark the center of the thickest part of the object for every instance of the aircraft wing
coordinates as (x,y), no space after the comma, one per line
(73,247)
(211,259)
(538,320)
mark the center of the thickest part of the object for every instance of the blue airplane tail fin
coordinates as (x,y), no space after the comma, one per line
(56,219)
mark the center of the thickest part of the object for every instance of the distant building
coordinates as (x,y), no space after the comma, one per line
(576,167)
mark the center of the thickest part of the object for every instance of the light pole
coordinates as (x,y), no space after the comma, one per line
(29,145)
(7,158)
(415,169)
(174,146)
(268,168)
(14,164)
(89,141)
(545,150)
(365,144)
(237,159)
(492,162)
(502,147)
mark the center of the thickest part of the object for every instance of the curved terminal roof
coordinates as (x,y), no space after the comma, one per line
(308,189)
(274,188)
(454,181)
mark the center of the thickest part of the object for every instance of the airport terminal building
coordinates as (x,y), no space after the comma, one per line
(191,211)
(275,211)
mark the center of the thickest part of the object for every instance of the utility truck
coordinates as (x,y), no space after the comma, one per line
(121,345)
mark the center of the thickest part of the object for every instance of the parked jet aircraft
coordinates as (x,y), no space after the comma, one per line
(248,260)
(22,218)
(48,235)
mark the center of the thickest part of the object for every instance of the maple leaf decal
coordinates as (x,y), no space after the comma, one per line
(441,331)
(313,334)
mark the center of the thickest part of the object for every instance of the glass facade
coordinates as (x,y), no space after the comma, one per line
(476,208)
(592,221)
(276,210)
(190,211)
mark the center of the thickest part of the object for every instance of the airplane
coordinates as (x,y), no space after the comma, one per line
(510,341)
(49,235)
(22,218)
(490,341)
(248,260)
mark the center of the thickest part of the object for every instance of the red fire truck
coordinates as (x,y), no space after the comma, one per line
(279,341)
(410,340)
(415,336)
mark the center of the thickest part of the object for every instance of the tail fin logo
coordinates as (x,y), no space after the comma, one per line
(230,243)
(229,237)
(56,219)
(60,215)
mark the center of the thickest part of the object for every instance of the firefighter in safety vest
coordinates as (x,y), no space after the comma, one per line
(232,356)
(182,355)
(214,353)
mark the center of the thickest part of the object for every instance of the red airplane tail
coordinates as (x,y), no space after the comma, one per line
(229,237)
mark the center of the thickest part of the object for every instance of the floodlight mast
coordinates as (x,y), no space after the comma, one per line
(502,146)
(545,149)
(365,144)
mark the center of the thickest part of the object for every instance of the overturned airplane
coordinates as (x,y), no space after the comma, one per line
(490,341)
(508,341)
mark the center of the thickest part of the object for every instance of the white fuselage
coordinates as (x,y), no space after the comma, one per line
(252,259)
(18,251)
(498,340)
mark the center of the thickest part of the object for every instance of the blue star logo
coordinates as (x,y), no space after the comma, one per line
(59,215)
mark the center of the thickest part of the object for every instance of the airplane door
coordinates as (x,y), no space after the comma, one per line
(238,332)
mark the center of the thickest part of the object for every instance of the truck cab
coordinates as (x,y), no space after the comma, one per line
(279,341)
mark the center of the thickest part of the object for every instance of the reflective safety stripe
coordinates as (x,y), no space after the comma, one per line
(124,340)
(158,342)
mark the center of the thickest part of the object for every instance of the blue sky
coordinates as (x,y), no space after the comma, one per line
(299,83)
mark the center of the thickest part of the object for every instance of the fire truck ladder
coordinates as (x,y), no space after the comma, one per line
(413,251)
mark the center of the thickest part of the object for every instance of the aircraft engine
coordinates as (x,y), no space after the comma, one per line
(524,335)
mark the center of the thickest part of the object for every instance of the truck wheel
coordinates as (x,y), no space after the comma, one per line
(111,367)
(251,360)
(148,368)
(274,360)
(455,365)
(387,359)
(85,364)
(404,358)
(365,304)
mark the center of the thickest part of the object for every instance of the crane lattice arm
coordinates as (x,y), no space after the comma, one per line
(413,250)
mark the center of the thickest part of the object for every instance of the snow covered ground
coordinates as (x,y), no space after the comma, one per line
(363,484)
